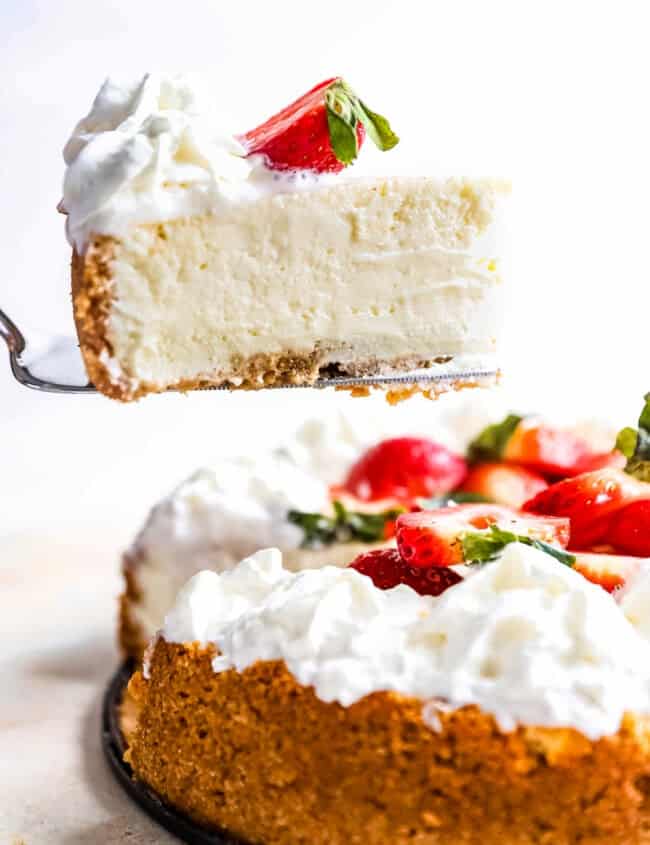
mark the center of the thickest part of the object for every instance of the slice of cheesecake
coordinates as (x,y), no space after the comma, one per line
(201,259)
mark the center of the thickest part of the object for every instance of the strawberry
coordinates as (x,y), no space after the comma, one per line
(504,484)
(404,469)
(608,571)
(470,533)
(387,569)
(589,500)
(321,131)
(629,529)
(600,460)
(541,448)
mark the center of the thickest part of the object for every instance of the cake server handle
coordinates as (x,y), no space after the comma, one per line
(23,372)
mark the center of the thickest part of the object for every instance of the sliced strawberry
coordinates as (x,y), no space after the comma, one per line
(608,571)
(589,500)
(438,538)
(504,484)
(321,131)
(404,469)
(387,569)
(601,460)
(546,449)
(541,448)
(629,529)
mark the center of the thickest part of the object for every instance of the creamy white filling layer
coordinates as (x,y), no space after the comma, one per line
(396,269)
(526,639)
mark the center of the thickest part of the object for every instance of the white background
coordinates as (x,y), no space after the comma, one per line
(552,95)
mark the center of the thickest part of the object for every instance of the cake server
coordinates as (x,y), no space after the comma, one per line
(56,366)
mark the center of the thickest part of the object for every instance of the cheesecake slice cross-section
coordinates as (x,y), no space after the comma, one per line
(197,264)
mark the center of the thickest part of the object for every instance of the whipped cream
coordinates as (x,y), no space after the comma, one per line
(156,148)
(526,639)
(224,512)
(215,518)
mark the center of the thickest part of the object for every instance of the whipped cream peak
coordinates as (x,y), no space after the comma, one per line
(156,148)
(524,638)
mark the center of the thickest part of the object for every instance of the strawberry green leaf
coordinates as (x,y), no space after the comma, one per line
(343,137)
(626,441)
(378,128)
(485,546)
(635,445)
(492,441)
(344,111)
(343,527)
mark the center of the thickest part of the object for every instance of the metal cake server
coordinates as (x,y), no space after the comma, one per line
(56,366)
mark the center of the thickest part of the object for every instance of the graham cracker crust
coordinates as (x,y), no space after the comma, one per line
(263,757)
(131,638)
(93,297)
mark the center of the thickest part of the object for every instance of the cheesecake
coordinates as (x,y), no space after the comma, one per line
(314,707)
(203,258)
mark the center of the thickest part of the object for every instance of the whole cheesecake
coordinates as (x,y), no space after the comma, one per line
(201,259)
(316,708)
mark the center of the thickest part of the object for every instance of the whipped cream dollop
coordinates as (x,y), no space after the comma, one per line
(224,512)
(525,638)
(157,148)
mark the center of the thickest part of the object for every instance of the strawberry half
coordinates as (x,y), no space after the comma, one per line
(629,529)
(541,448)
(471,533)
(589,501)
(504,484)
(608,571)
(321,131)
(387,569)
(404,469)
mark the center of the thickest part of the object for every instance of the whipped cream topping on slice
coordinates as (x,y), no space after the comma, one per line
(525,638)
(156,148)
